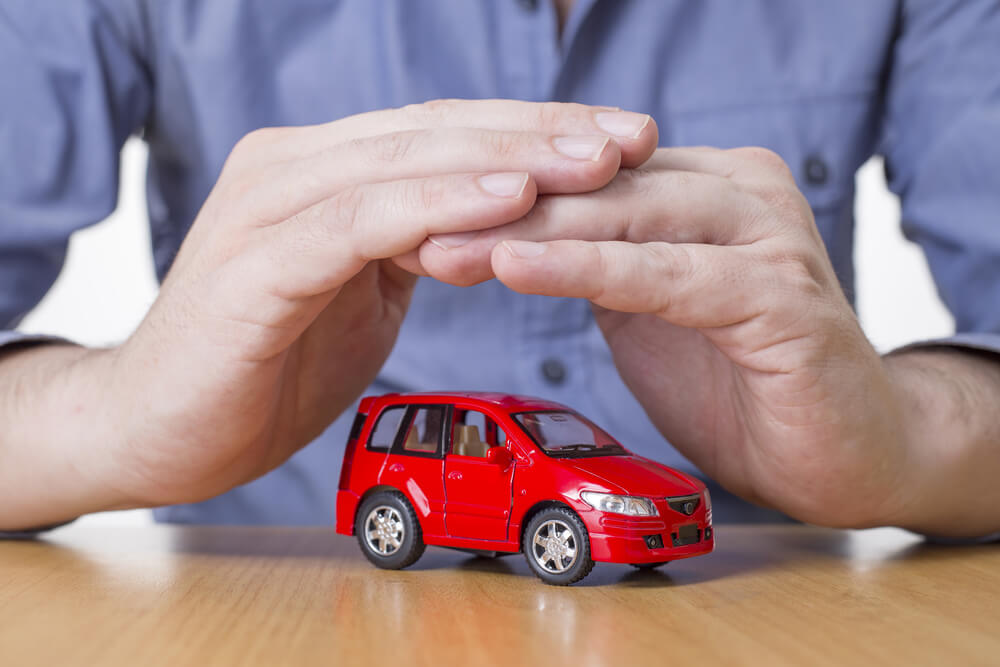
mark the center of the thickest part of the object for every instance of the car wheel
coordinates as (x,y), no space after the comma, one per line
(388,531)
(557,547)
(648,566)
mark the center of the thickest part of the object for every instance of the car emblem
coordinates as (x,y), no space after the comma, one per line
(689,507)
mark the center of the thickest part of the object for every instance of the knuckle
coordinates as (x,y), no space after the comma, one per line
(256,140)
(501,145)
(666,185)
(784,202)
(648,183)
(347,209)
(675,262)
(672,273)
(762,158)
(251,141)
(801,268)
(242,154)
(236,189)
(550,114)
(392,147)
(431,109)
(426,193)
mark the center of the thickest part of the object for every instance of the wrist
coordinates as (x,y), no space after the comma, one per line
(57,409)
(946,399)
(99,400)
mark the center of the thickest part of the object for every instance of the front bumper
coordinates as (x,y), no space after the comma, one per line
(622,539)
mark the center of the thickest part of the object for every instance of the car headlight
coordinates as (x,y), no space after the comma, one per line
(614,504)
(708,506)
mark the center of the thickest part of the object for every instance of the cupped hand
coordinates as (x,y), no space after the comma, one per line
(713,288)
(282,303)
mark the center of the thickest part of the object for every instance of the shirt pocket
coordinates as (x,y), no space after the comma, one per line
(824,140)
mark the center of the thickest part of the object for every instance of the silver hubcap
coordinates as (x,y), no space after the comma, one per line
(554,546)
(384,530)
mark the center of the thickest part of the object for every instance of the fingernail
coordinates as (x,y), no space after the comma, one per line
(453,240)
(524,249)
(581,148)
(622,123)
(504,185)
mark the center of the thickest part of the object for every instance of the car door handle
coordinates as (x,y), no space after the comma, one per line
(455,475)
(396,467)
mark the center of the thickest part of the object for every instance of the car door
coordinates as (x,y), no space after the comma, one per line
(415,466)
(478,492)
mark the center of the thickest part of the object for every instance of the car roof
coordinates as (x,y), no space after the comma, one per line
(507,402)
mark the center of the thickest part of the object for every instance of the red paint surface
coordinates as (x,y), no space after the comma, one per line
(467,502)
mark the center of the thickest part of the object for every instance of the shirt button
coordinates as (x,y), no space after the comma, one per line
(554,371)
(529,5)
(816,170)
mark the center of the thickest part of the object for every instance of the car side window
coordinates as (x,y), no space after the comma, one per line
(473,433)
(384,433)
(423,436)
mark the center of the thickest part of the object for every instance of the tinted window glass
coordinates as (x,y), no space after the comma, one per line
(567,434)
(424,434)
(474,433)
(359,423)
(385,430)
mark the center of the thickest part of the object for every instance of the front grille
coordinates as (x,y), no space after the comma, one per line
(687,505)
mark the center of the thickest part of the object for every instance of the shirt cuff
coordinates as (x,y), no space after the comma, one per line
(31,533)
(980,342)
(963,541)
(9,338)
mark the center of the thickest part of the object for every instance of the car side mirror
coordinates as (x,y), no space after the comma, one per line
(498,455)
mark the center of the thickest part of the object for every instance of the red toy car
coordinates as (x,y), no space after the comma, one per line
(493,474)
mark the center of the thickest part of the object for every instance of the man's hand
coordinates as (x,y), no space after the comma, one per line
(282,303)
(713,288)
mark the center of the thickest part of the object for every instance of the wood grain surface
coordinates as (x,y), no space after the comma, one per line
(769,595)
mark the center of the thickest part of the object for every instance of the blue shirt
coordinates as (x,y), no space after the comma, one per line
(826,85)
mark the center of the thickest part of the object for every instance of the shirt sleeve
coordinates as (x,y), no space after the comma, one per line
(941,142)
(73,88)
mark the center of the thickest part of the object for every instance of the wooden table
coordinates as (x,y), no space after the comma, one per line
(769,595)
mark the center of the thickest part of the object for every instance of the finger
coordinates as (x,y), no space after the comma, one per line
(750,164)
(635,133)
(322,247)
(556,163)
(689,285)
(638,206)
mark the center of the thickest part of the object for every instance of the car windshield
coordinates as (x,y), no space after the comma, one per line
(568,435)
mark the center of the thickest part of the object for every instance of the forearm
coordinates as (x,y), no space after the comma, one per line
(55,434)
(950,400)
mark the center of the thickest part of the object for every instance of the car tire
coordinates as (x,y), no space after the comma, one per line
(388,531)
(648,566)
(557,547)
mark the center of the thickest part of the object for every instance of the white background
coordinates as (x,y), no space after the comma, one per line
(108,281)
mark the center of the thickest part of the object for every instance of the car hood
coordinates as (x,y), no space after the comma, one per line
(636,476)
